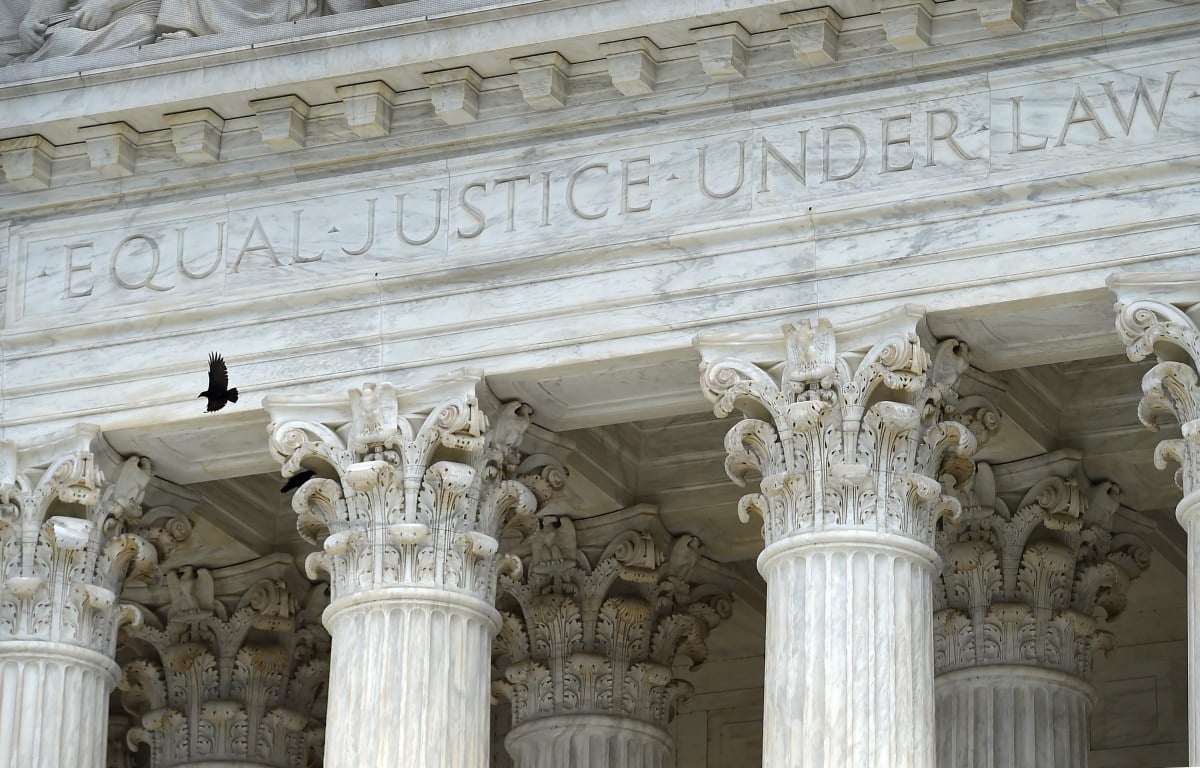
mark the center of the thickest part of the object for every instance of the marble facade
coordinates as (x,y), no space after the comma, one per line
(528,303)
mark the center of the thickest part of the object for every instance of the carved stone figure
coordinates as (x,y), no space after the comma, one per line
(191,18)
(53,28)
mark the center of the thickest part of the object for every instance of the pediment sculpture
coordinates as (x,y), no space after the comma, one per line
(35,30)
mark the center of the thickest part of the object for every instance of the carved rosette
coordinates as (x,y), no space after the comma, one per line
(412,497)
(62,573)
(578,639)
(1171,387)
(1024,586)
(245,686)
(845,440)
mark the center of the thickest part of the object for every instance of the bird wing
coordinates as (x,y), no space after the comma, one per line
(218,374)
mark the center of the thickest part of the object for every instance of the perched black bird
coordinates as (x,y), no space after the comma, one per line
(218,392)
(297,480)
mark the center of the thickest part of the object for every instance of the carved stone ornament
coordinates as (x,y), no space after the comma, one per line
(217,685)
(408,494)
(62,574)
(1024,585)
(1172,387)
(603,639)
(856,435)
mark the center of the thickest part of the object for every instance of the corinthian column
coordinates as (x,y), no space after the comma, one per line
(850,437)
(229,680)
(1015,629)
(1169,333)
(411,493)
(587,652)
(60,579)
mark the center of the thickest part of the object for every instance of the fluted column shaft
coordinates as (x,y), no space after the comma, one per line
(589,741)
(849,663)
(1188,513)
(53,705)
(1011,714)
(409,679)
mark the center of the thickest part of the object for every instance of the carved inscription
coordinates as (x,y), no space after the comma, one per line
(431,220)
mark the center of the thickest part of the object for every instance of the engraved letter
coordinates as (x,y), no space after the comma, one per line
(796,169)
(1017,146)
(642,181)
(183,268)
(1089,116)
(146,282)
(545,199)
(298,259)
(72,268)
(740,177)
(511,181)
(370,232)
(265,245)
(858,163)
(888,141)
(1140,94)
(571,192)
(933,136)
(472,210)
(437,222)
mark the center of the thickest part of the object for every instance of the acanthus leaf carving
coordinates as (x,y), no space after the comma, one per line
(1029,587)
(578,638)
(221,684)
(408,493)
(1172,386)
(63,573)
(876,437)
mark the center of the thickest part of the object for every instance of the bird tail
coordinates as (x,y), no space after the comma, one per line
(231,395)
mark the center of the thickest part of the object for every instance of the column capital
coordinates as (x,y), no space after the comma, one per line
(62,574)
(224,673)
(1038,552)
(410,487)
(1157,317)
(601,635)
(851,429)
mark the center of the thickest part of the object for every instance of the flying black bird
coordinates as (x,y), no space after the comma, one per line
(218,392)
(297,480)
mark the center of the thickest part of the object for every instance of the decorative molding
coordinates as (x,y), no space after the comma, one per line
(1172,387)
(409,493)
(196,135)
(578,638)
(722,50)
(454,94)
(111,148)
(368,107)
(814,34)
(1023,586)
(27,162)
(543,80)
(63,574)
(908,27)
(632,65)
(1098,9)
(1002,17)
(240,683)
(860,438)
(282,122)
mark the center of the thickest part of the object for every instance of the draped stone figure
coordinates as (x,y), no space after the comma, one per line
(12,13)
(53,28)
(192,18)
